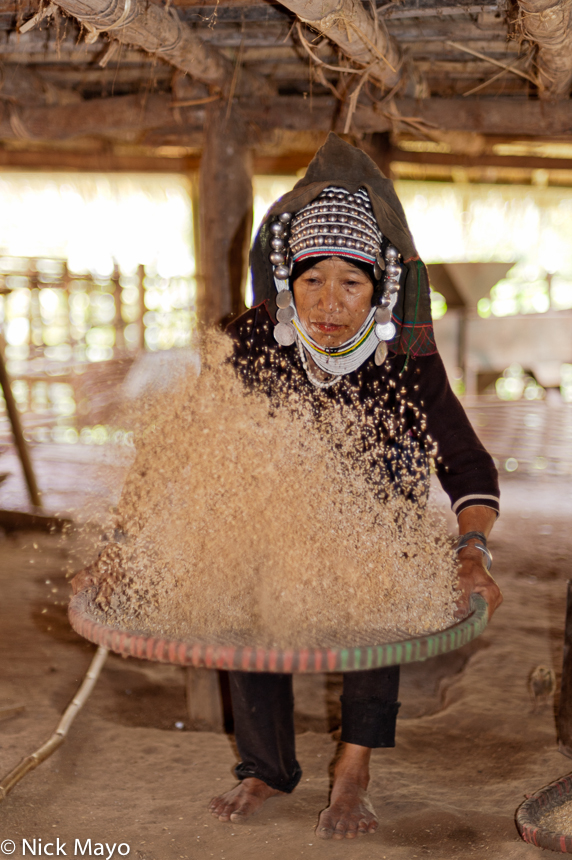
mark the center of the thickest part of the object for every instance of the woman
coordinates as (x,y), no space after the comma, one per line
(342,312)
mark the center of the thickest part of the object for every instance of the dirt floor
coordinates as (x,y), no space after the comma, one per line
(470,742)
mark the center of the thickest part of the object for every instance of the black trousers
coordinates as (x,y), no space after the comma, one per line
(263,709)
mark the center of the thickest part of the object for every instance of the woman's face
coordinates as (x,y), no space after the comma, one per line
(333,299)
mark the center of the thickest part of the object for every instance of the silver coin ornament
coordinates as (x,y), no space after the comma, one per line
(284,299)
(284,334)
(380,353)
(385,331)
(382,315)
(285,315)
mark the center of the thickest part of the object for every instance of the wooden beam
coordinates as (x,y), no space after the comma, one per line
(109,117)
(548,25)
(89,117)
(512,116)
(523,162)
(225,213)
(159,31)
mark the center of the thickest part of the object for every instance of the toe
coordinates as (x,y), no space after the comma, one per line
(339,831)
(238,816)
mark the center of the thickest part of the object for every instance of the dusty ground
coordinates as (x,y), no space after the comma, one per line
(470,744)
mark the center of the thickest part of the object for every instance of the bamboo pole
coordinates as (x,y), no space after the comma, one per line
(158,30)
(59,735)
(362,38)
(548,25)
(18,433)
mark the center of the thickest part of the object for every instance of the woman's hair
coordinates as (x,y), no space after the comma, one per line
(302,266)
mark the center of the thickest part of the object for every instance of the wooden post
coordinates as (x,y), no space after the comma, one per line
(204,700)
(18,433)
(225,205)
(565,706)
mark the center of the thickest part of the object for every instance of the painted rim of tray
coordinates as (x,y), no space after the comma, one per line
(531,811)
(255,659)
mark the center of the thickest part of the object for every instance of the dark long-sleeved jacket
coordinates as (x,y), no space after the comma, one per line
(418,395)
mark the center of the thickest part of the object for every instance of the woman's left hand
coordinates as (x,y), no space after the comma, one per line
(475,579)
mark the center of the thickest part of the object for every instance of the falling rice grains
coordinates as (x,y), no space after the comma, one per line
(262,521)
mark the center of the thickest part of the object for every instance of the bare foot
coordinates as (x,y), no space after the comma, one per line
(241,802)
(350,812)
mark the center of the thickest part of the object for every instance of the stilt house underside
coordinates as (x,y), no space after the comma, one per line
(429,88)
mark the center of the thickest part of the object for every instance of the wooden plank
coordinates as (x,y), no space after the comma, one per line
(204,700)
(565,706)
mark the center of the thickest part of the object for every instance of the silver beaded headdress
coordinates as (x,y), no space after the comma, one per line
(336,223)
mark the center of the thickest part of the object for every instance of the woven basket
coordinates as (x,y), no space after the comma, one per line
(254,659)
(529,815)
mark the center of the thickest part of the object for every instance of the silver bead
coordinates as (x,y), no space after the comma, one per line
(350,243)
(276,258)
(285,315)
(334,229)
(386,331)
(391,287)
(347,231)
(356,234)
(384,301)
(343,219)
(329,240)
(277,228)
(281,272)
(285,334)
(342,242)
(382,315)
(277,243)
(284,298)
(285,217)
(359,246)
(391,253)
(393,271)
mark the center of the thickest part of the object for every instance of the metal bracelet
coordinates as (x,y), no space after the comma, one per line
(472,536)
(480,544)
